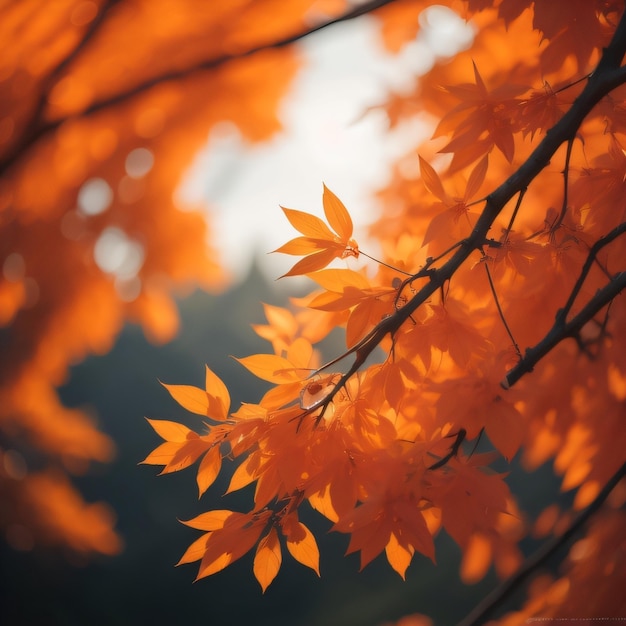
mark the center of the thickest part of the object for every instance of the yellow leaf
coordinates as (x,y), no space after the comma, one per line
(209,469)
(337,214)
(268,559)
(170,431)
(305,550)
(191,398)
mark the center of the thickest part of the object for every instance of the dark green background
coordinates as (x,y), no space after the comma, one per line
(142,586)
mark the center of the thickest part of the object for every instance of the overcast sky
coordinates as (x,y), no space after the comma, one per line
(326,139)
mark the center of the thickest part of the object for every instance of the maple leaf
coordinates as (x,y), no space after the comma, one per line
(455,219)
(319,244)
(482,120)
(214,401)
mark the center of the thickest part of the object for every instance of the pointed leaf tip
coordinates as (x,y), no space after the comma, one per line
(337,214)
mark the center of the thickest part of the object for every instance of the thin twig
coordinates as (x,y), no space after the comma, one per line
(591,257)
(483,611)
(497,301)
(562,330)
(568,156)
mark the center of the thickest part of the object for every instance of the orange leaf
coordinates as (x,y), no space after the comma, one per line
(313,262)
(195,551)
(476,559)
(337,214)
(304,549)
(209,469)
(187,454)
(270,367)
(268,559)
(216,565)
(218,396)
(398,556)
(191,398)
(163,454)
(211,520)
(241,477)
(505,427)
(431,180)
(170,431)
(476,178)
(338,279)
(309,225)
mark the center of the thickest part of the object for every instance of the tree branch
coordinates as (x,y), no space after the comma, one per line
(607,76)
(37,128)
(562,329)
(483,611)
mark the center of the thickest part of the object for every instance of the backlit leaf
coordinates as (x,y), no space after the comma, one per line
(272,368)
(191,398)
(209,469)
(218,396)
(170,431)
(267,559)
(211,520)
(305,549)
(337,214)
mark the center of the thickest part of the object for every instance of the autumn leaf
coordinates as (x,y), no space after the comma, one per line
(170,431)
(482,120)
(319,243)
(191,398)
(273,368)
(209,469)
(303,548)
(267,559)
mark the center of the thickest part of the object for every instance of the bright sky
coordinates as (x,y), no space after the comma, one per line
(326,139)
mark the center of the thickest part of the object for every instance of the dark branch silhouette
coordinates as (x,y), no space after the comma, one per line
(608,75)
(37,127)
(484,610)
